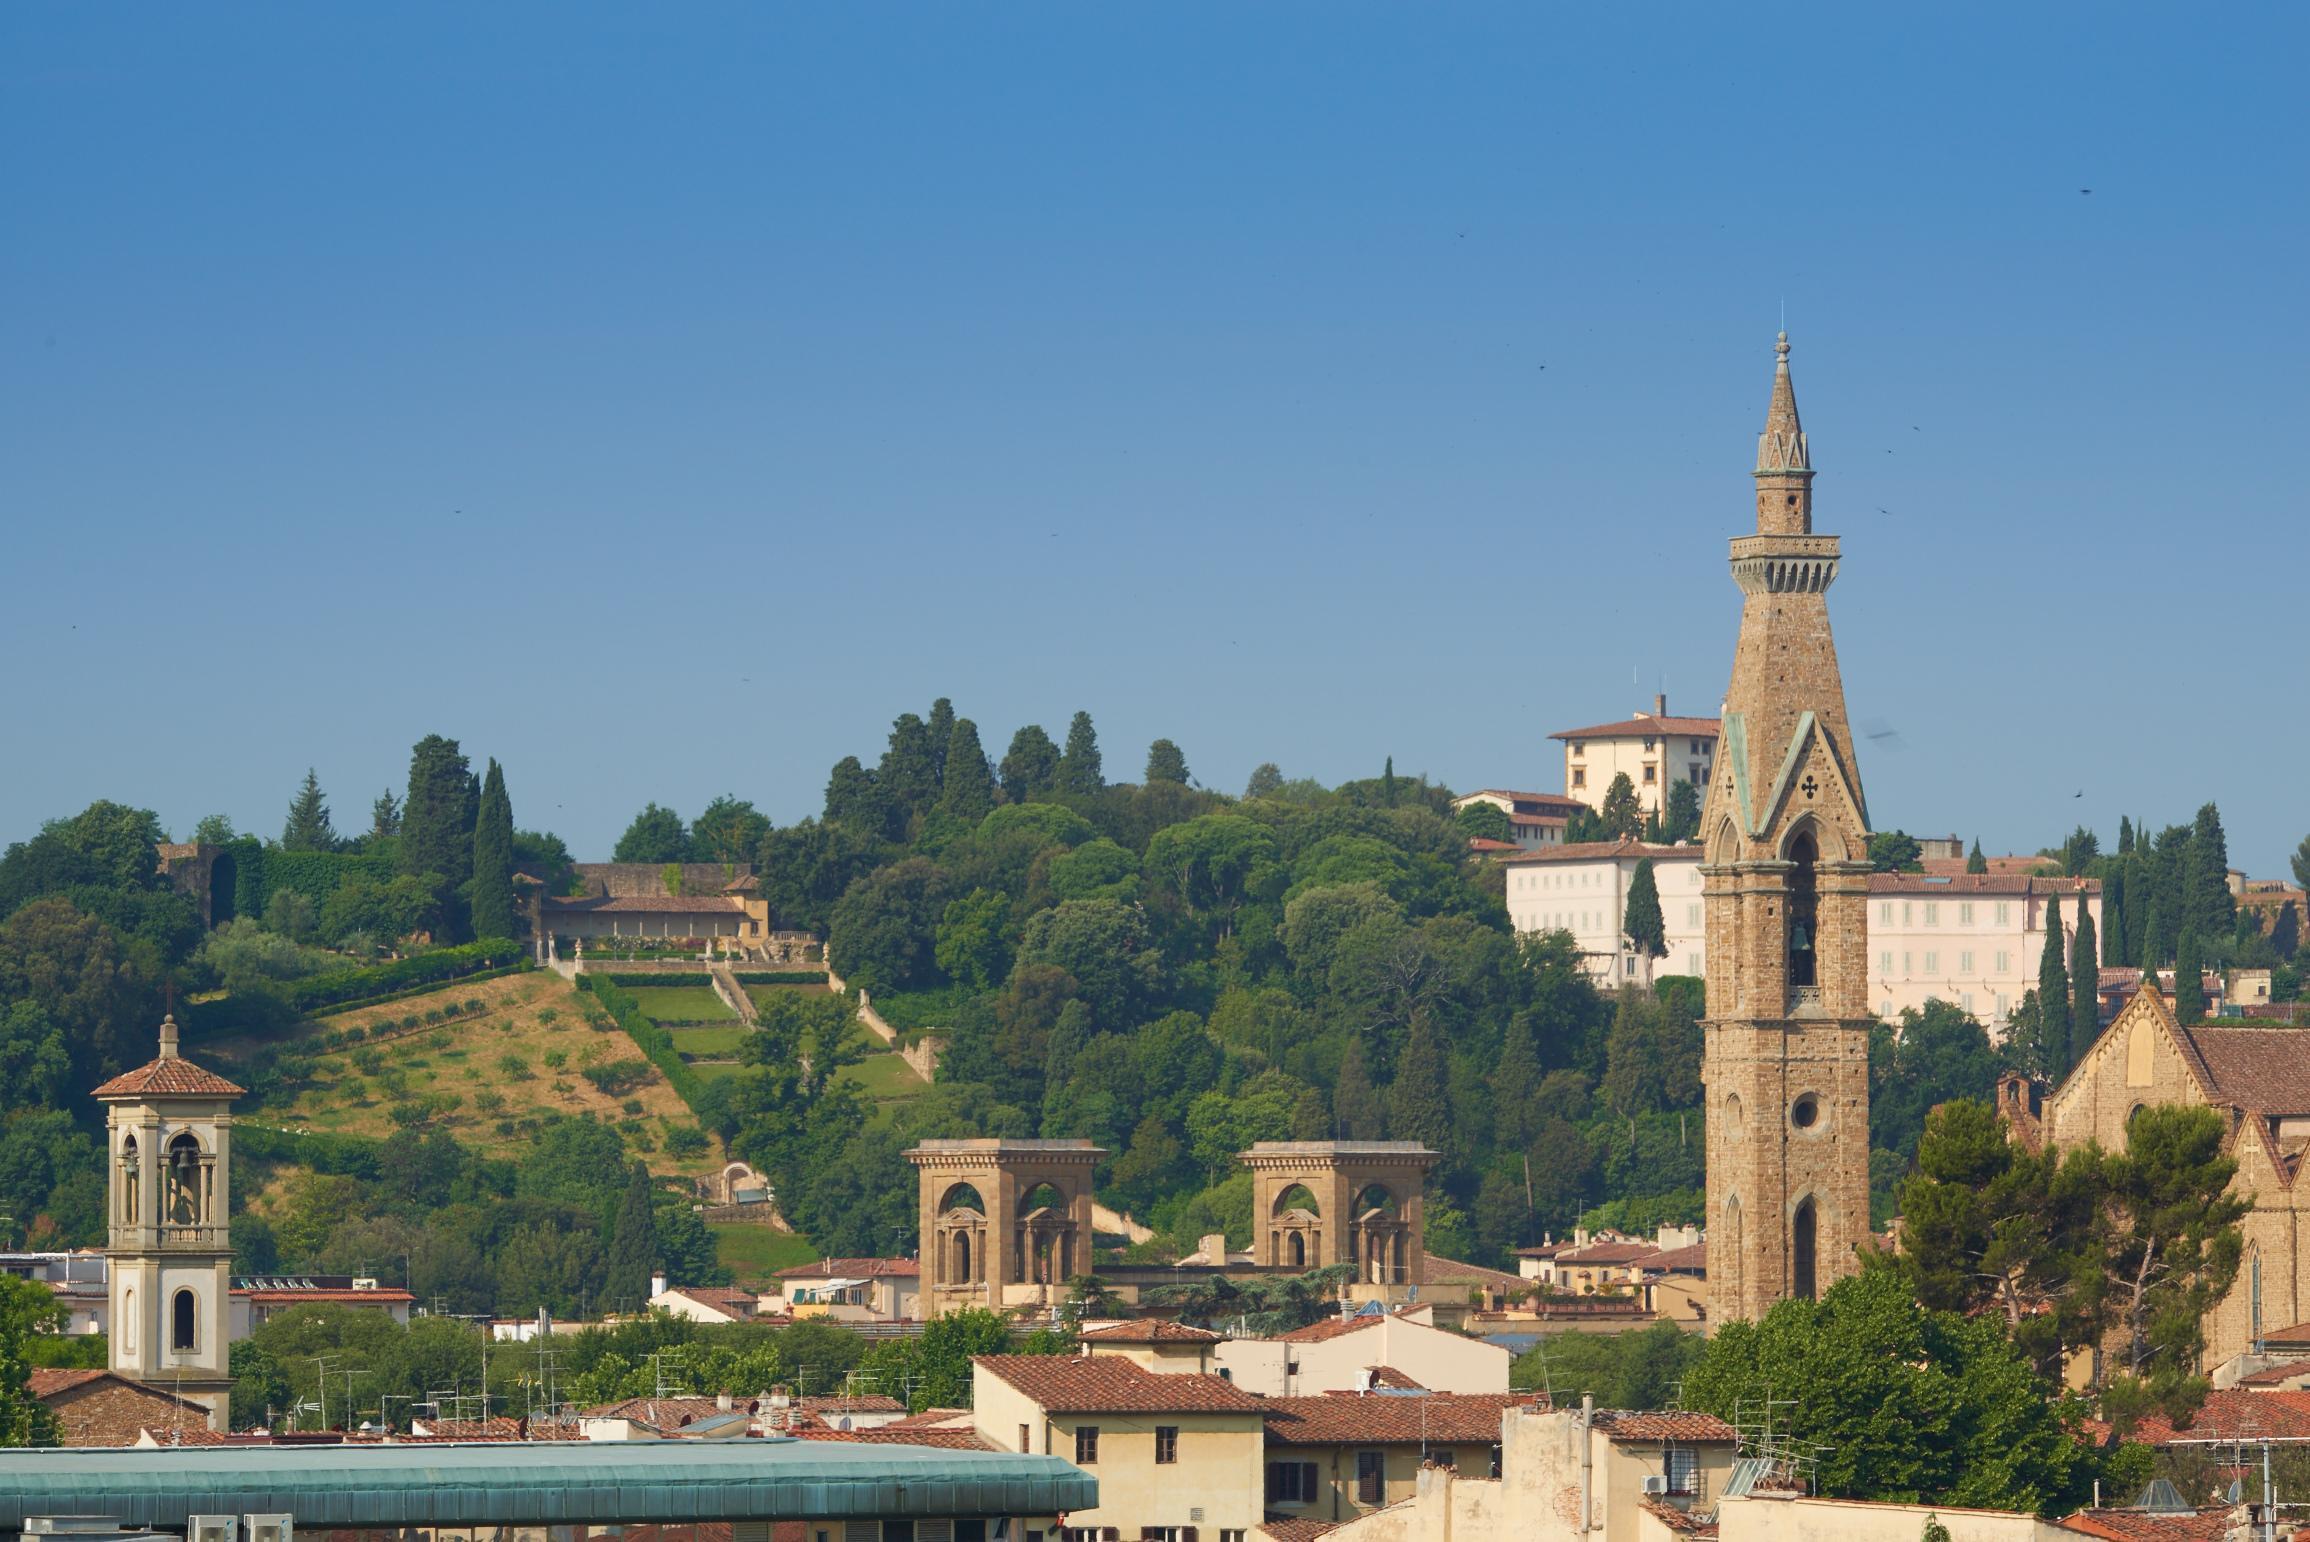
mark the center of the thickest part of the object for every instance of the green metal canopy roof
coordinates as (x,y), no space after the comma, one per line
(513,1483)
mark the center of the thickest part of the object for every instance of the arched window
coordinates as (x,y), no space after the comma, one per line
(128,1321)
(184,1322)
(1804,1242)
(185,1192)
(962,1259)
(1296,1249)
(1804,911)
(131,1180)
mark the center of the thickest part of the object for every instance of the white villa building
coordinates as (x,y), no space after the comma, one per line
(1583,889)
(1656,750)
(1535,819)
(1971,939)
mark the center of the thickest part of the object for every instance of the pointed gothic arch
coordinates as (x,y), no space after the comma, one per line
(1804,1250)
(1802,851)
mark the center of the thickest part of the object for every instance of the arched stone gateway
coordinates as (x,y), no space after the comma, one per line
(1326,1202)
(1004,1222)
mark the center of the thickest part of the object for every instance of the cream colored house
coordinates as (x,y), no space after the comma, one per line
(1172,1451)
(1583,889)
(1971,939)
(1571,1475)
(1655,751)
(1535,819)
(1340,1456)
(1340,1354)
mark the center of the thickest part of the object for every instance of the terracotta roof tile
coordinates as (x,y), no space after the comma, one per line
(1451,1271)
(1683,1522)
(1610,1253)
(1597,851)
(1646,726)
(1389,1376)
(1691,1260)
(2265,1070)
(891,1435)
(170,1076)
(2276,1375)
(47,1381)
(660,1413)
(1111,1384)
(2146,1526)
(1930,884)
(1670,1424)
(1296,1528)
(665,904)
(1343,1418)
(2234,1413)
(1151,1330)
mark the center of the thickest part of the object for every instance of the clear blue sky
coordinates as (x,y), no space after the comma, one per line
(1308,383)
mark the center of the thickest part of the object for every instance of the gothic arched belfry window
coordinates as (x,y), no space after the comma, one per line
(1804,912)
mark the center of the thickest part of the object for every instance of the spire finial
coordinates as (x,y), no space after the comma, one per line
(1781,349)
(168,1037)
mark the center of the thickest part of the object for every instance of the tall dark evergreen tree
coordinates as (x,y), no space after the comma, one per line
(908,775)
(633,1251)
(2125,836)
(2189,979)
(2150,956)
(2286,932)
(1079,768)
(1030,765)
(854,798)
(940,728)
(1682,821)
(1166,763)
(1420,1098)
(1975,862)
(308,827)
(385,816)
(969,791)
(2084,992)
(1515,1086)
(437,816)
(1355,1102)
(1622,815)
(2300,863)
(2112,933)
(2207,904)
(1388,784)
(1646,929)
(2053,992)
(493,913)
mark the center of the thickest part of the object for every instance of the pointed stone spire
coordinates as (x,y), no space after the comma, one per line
(1784,462)
(1781,447)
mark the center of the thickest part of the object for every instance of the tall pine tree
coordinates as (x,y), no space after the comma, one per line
(969,791)
(2189,979)
(908,775)
(633,1253)
(1079,769)
(437,824)
(1355,1103)
(1420,1098)
(493,913)
(2053,992)
(2084,993)
(941,731)
(308,827)
(1166,762)
(384,816)
(1030,765)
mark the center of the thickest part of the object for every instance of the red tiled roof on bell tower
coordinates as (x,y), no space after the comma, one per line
(168,1076)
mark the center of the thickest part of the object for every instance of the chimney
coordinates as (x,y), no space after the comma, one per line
(657,1284)
(722,1402)
(1660,704)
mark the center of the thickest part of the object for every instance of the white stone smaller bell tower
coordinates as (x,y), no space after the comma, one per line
(168,1131)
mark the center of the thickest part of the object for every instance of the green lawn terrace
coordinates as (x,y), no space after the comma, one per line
(668,1005)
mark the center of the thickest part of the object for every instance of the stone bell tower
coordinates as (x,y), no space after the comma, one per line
(168,1126)
(1785,881)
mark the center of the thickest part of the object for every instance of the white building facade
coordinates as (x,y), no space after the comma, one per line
(1974,940)
(1535,819)
(1655,750)
(1583,889)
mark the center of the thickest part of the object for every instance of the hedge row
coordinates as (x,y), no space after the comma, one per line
(782,977)
(353,1156)
(653,1041)
(397,976)
(260,870)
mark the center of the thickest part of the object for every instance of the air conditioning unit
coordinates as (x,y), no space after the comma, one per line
(212,1528)
(1653,1485)
(271,1528)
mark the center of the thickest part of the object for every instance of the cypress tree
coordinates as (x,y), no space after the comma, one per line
(969,792)
(908,775)
(1420,1098)
(1068,1036)
(1166,762)
(2148,957)
(2286,932)
(1975,862)
(2084,991)
(2112,936)
(493,913)
(1079,768)
(2208,904)
(2053,992)
(436,821)
(1030,765)
(2189,982)
(1515,1084)
(2125,836)
(633,1250)
(1647,930)
(1388,784)
(2169,864)
(1355,1103)
(941,732)
(854,798)
(308,827)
